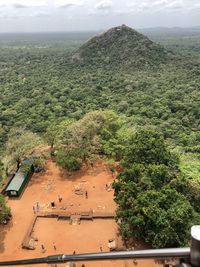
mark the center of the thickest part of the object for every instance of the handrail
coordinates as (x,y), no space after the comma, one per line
(178,253)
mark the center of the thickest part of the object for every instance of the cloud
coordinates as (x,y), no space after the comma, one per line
(197,6)
(16,16)
(19,6)
(103,5)
(144,6)
(158,5)
(12,16)
(122,12)
(68,3)
(175,5)
(160,2)
(22,3)
(138,7)
(40,14)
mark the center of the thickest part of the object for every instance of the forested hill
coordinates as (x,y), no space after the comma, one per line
(120,47)
(39,86)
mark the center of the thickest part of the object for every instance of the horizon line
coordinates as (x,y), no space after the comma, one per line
(98,30)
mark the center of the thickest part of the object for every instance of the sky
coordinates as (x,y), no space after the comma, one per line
(92,15)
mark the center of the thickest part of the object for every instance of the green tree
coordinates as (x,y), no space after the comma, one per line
(190,188)
(1,171)
(90,135)
(20,144)
(149,207)
(162,218)
(51,134)
(148,147)
(4,210)
(69,159)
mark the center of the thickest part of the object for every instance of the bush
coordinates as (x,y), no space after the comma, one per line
(5,213)
(111,164)
(67,160)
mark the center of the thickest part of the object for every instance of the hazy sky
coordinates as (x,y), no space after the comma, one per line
(69,15)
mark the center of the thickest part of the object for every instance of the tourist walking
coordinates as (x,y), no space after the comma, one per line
(59,198)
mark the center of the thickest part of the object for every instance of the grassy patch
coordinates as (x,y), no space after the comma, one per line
(190,165)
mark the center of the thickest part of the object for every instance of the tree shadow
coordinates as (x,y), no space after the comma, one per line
(87,170)
(37,178)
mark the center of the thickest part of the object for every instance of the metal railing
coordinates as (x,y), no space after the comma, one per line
(188,257)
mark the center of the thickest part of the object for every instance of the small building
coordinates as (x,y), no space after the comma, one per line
(20,179)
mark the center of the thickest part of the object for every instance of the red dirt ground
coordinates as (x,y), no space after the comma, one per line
(84,238)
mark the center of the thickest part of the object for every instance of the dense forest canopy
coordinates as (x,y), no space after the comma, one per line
(150,192)
(146,118)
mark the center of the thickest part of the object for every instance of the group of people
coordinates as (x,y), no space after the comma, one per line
(43,249)
(53,202)
(36,207)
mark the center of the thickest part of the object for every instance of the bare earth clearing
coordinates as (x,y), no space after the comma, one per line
(89,236)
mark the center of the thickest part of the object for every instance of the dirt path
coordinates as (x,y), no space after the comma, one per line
(89,236)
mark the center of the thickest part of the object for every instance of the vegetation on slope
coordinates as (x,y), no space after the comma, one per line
(120,47)
(190,165)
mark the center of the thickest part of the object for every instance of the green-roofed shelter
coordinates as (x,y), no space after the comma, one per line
(20,179)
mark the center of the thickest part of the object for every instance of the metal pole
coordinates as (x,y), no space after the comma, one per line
(178,253)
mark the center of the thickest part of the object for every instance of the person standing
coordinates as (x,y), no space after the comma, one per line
(101,249)
(34,211)
(43,250)
(37,206)
(59,198)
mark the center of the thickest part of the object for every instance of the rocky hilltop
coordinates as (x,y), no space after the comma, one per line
(120,46)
